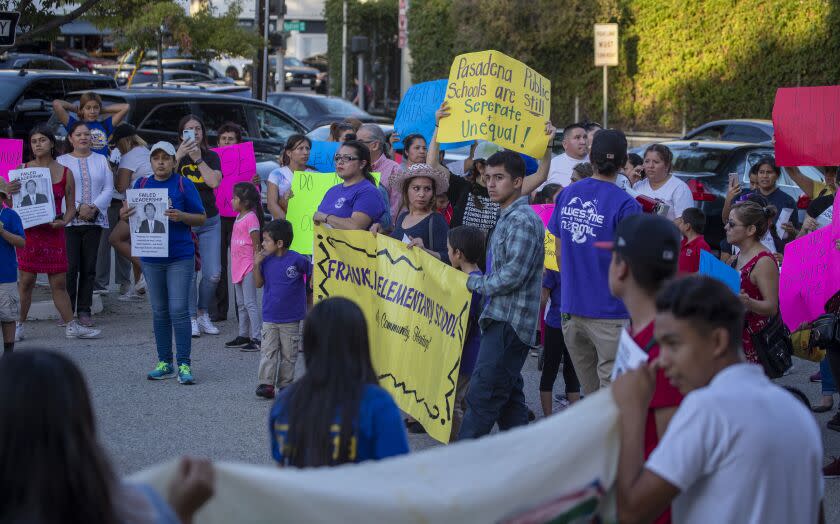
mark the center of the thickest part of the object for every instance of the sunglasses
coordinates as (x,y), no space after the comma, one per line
(344,158)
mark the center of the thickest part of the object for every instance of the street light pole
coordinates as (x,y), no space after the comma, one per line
(266,66)
(344,53)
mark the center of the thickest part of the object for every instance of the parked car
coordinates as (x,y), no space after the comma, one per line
(81,60)
(297,73)
(156,114)
(322,134)
(232,66)
(188,64)
(705,167)
(204,87)
(131,60)
(752,131)
(320,63)
(317,110)
(33,61)
(26,97)
(148,75)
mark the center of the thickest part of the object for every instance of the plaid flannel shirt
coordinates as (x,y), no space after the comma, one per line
(512,286)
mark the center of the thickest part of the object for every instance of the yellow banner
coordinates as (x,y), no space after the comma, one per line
(416,309)
(550,253)
(308,189)
(499,99)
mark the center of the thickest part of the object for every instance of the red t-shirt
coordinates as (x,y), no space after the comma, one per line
(690,254)
(664,396)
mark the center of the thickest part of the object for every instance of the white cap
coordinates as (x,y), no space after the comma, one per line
(166,147)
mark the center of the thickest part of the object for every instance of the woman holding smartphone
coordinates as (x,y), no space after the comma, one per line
(204,169)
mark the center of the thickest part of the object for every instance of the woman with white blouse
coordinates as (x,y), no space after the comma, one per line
(660,184)
(94,188)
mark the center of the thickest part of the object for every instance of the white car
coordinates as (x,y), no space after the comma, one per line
(235,67)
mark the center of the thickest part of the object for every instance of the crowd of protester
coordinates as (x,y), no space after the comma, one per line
(700,416)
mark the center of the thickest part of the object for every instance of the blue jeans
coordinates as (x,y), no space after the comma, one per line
(829,386)
(495,394)
(209,247)
(168,284)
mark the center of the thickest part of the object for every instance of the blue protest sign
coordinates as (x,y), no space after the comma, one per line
(416,113)
(321,156)
(711,266)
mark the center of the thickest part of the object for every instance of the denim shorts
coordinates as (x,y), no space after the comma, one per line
(9,302)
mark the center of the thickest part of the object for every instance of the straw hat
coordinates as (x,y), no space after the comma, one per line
(440,176)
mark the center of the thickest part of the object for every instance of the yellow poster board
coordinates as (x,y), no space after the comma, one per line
(308,189)
(416,308)
(499,99)
(550,251)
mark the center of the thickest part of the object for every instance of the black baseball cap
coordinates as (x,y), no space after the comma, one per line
(120,132)
(609,145)
(646,240)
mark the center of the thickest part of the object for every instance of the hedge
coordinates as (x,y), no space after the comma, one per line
(693,59)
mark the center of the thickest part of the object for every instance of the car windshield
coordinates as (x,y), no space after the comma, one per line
(338,106)
(698,159)
(11,90)
(292,61)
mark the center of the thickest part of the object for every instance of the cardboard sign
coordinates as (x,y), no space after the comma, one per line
(321,156)
(544,211)
(34,202)
(711,266)
(806,125)
(499,99)
(148,225)
(238,165)
(11,155)
(628,356)
(416,113)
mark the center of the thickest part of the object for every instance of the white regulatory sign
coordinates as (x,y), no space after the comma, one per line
(606,45)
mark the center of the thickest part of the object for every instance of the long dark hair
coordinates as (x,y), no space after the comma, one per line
(43,129)
(52,467)
(364,154)
(338,367)
(247,193)
(292,142)
(203,144)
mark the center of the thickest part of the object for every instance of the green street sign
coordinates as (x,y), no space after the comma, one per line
(297,25)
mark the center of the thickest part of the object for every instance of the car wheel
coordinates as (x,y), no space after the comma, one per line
(232,73)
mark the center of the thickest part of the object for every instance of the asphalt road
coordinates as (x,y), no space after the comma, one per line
(144,422)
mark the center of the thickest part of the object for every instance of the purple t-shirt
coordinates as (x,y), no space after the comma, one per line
(551,282)
(284,290)
(473,341)
(587,212)
(342,201)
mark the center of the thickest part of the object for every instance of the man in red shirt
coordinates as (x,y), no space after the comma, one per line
(645,253)
(692,224)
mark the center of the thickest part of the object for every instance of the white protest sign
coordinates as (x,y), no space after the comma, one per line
(784,218)
(628,356)
(148,225)
(826,217)
(34,202)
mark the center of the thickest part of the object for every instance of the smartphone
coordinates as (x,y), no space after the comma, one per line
(188,134)
(733,179)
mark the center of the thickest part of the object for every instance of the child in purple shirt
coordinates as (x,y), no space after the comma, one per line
(465,246)
(280,272)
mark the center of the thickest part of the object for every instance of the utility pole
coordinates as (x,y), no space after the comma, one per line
(266,65)
(280,51)
(344,53)
(260,62)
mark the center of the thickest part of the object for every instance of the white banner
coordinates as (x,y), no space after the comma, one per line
(149,226)
(34,202)
(538,471)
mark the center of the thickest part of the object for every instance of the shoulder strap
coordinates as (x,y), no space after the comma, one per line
(143,182)
(431,232)
(649,345)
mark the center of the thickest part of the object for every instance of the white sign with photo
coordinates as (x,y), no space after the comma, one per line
(628,356)
(34,202)
(149,226)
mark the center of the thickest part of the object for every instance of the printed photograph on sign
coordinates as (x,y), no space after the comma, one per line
(34,202)
(148,225)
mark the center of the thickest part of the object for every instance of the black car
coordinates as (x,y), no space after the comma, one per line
(297,73)
(149,75)
(33,61)
(318,110)
(204,87)
(752,131)
(188,64)
(156,114)
(705,166)
(131,60)
(26,97)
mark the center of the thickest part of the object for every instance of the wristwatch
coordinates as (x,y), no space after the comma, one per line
(199,161)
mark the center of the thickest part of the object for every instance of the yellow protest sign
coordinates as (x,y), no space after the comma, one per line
(416,308)
(550,254)
(497,98)
(308,189)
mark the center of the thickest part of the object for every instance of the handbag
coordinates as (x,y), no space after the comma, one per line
(773,347)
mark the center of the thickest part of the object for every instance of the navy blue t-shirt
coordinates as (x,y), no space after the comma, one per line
(8,258)
(551,282)
(100,133)
(380,430)
(473,341)
(180,239)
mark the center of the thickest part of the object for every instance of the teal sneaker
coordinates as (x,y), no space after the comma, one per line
(163,371)
(185,375)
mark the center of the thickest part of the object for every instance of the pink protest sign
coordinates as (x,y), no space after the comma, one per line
(544,211)
(810,275)
(806,125)
(238,165)
(11,155)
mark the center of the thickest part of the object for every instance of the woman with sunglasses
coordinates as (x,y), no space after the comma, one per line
(748,222)
(355,203)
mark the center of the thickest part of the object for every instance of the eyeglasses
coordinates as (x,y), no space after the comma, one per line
(732,225)
(344,158)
